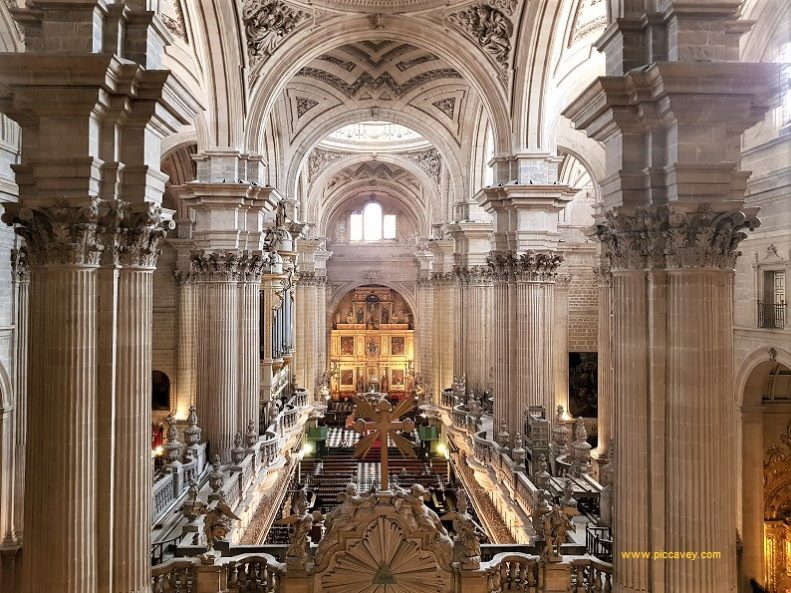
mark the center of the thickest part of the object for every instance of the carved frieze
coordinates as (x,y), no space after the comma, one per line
(471,275)
(672,237)
(489,23)
(320,159)
(266,24)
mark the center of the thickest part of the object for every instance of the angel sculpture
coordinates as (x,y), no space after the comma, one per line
(468,547)
(302,522)
(351,502)
(217,522)
(192,507)
(410,505)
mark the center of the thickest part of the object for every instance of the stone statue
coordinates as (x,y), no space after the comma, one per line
(467,545)
(567,501)
(410,504)
(557,526)
(192,507)
(537,514)
(301,522)
(351,501)
(541,477)
(217,522)
(349,317)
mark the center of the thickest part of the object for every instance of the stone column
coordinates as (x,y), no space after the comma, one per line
(267,301)
(444,325)
(306,330)
(218,348)
(458,316)
(560,335)
(186,340)
(21,319)
(606,415)
(424,323)
(477,284)
(64,252)
(141,230)
(500,344)
(321,326)
(249,344)
(672,239)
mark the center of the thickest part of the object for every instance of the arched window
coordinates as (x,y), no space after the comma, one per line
(371,224)
(160,391)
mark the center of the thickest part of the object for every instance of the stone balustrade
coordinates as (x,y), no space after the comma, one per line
(174,481)
(447,399)
(261,573)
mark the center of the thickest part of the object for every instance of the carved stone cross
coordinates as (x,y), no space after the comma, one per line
(384,423)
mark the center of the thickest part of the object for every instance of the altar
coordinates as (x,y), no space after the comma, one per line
(371,344)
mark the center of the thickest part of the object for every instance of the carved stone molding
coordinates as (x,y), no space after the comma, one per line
(603,274)
(673,237)
(310,279)
(65,233)
(524,267)
(227,266)
(443,278)
(490,25)
(267,23)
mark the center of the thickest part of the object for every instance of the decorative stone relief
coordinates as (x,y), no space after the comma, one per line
(388,538)
(446,106)
(428,160)
(524,267)
(304,105)
(673,237)
(228,266)
(20,264)
(489,24)
(64,233)
(320,159)
(172,15)
(267,23)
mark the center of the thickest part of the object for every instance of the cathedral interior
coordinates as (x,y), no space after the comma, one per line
(395,296)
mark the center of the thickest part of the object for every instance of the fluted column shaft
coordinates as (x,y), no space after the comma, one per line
(500,345)
(187,351)
(445,319)
(321,328)
(459,316)
(21,317)
(560,335)
(424,337)
(61,456)
(266,321)
(605,402)
(133,473)
(672,361)
(218,370)
(249,344)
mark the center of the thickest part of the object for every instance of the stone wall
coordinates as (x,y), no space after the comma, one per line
(164,337)
(581,258)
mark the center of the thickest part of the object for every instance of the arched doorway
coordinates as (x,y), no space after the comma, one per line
(372,343)
(766,474)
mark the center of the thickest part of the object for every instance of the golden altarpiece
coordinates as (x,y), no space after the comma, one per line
(371,343)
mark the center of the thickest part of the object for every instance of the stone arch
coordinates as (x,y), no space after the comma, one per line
(451,45)
(437,140)
(343,289)
(749,383)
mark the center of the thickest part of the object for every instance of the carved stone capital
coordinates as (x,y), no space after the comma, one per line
(20,265)
(563,281)
(443,278)
(67,232)
(133,233)
(603,274)
(307,279)
(524,267)
(227,266)
(472,275)
(675,237)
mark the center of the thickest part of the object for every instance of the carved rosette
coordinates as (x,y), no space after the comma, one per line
(227,266)
(63,233)
(672,237)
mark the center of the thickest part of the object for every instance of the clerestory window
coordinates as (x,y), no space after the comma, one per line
(371,224)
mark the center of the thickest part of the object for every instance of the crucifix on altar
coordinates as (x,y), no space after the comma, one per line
(383,422)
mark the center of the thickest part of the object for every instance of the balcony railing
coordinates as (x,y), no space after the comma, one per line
(772,315)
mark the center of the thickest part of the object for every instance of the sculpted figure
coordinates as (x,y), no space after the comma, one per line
(350,503)
(557,526)
(217,522)
(468,547)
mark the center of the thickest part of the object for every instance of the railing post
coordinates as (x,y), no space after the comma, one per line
(557,578)
(296,581)
(473,581)
(211,578)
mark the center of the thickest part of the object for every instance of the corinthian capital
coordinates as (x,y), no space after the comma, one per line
(674,236)
(132,233)
(227,266)
(66,232)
